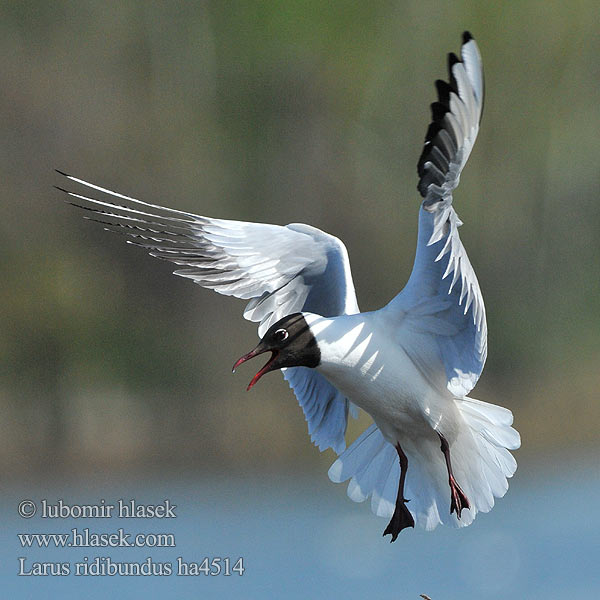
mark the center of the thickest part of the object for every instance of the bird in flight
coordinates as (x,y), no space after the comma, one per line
(432,454)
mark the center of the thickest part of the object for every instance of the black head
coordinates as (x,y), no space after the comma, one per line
(291,344)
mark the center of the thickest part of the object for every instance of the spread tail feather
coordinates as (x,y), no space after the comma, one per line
(481,464)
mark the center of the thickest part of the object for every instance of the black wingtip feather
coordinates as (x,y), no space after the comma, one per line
(434,138)
(61,189)
(438,110)
(62,173)
(443,89)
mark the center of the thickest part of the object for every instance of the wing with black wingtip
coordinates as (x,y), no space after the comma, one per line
(455,123)
(442,297)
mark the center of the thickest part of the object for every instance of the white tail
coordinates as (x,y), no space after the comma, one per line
(481,463)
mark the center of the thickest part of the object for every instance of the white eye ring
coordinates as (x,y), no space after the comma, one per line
(281,335)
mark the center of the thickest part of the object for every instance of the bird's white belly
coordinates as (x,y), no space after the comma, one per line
(387,385)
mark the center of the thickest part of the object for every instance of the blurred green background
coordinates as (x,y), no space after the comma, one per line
(280,112)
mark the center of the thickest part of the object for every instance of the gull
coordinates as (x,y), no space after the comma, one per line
(433,455)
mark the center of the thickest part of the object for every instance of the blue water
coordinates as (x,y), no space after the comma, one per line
(302,538)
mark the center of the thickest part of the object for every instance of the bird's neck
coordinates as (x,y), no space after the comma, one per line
(343,341)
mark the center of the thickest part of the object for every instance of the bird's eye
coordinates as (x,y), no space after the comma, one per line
(281,335)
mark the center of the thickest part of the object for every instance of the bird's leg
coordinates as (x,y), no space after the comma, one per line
(401,517)
(458,499)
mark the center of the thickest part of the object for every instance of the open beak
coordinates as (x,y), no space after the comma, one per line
(258,350)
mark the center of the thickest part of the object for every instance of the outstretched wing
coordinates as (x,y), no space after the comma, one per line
(280,270)
(442,297)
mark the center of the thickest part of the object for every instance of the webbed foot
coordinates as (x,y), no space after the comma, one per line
(458,499)
(401,519)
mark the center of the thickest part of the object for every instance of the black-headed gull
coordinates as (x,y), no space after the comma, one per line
(410,365)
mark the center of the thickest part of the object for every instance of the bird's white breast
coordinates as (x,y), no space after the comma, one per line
(361,355)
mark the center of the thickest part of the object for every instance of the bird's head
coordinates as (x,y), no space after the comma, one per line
(291,344)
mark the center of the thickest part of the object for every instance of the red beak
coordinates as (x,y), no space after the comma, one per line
(258,350)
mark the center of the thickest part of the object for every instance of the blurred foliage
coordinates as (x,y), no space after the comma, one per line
(280,111)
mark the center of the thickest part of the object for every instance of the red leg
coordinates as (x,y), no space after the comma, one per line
(458,499)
